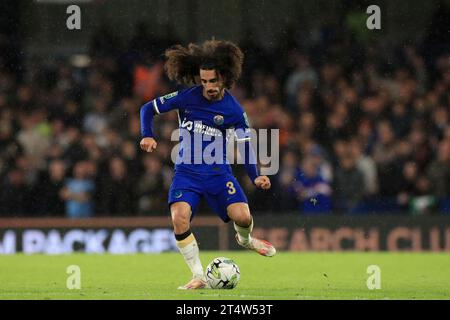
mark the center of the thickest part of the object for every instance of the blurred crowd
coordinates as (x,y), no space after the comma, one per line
(363,128)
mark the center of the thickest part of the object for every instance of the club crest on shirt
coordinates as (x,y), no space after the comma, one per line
(177,194)
(218,120)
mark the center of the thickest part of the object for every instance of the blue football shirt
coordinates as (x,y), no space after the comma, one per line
(203,130)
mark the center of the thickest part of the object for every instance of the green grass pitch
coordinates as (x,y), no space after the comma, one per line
(286,276)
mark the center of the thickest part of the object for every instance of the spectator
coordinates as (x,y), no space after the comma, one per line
(408,185)
(366,166)
(96,120)
(129,153)
(151,195)
(384,155)
(15,195)
(312,189)
(348,188)
(51,185)
(303,73)
(117,197)
(422,150)
(78,192)
(34,137)
(424,202)
(439,171)
(284,181)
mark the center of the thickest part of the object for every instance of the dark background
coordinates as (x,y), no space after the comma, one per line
(366,110)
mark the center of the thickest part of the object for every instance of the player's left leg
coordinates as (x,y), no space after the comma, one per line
(226,197)
(239,212)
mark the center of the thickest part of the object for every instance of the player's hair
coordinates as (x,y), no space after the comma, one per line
(184,63)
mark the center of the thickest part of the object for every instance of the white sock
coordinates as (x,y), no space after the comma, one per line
(191,254)
(244,232)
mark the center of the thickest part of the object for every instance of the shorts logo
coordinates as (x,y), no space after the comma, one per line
(177,194)
(218,120)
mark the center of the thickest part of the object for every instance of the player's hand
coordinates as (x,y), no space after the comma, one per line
(263,182)
(148,144)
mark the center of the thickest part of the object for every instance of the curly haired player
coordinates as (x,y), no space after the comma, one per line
(206,111)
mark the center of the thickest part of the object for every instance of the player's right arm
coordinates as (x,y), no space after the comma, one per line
(148,110)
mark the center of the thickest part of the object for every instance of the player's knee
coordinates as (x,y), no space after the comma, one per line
(180,216)
(240,214)
(180,220)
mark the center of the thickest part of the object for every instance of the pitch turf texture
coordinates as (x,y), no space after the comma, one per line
(285,276)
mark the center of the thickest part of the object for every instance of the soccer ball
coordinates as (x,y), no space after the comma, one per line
(222,273)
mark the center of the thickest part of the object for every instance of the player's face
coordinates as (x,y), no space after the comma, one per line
(212,84)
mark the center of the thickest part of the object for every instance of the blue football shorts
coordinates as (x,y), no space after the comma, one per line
(219,192)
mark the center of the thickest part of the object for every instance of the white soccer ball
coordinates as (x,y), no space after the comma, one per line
(222,273)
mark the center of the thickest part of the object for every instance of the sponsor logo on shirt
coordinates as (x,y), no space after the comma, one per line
(198,127)
(167,97)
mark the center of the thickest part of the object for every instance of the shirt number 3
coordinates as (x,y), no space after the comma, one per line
(231,188)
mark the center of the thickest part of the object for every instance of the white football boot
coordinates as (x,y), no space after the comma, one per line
(195,283)
(263,247)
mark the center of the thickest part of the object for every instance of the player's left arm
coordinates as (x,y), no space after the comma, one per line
(263,182)
(243,137)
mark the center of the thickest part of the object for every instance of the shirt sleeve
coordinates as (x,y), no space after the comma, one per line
(159,105)
(242,128)
(243,135)
(168,102)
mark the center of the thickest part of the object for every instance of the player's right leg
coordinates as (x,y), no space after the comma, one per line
(184,196)
(186,243)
